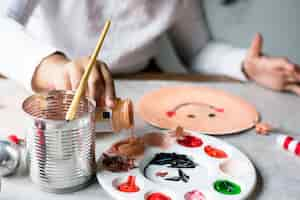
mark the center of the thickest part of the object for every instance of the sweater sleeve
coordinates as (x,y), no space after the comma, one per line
(20,53)
(191,39)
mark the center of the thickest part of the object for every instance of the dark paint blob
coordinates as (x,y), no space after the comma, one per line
(191,116)
(214,152)
(158,196)
(172,160)
(211,115)
(190,141)
(227,187)
(116,163)
(181,177)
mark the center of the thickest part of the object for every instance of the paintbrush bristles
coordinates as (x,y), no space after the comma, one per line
(82,85)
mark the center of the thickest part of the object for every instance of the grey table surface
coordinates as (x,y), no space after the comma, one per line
(278,171)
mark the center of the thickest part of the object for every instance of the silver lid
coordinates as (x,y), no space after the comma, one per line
(9,158)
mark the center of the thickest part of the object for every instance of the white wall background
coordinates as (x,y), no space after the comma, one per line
(3,4)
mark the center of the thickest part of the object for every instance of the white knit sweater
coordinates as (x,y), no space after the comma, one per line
(33,29)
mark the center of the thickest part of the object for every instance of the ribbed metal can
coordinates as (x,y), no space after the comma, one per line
(61,153)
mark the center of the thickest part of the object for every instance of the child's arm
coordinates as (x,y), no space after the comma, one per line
(20,53)
(39,66)
(192,41)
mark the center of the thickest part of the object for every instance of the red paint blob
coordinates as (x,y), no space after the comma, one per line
(129,185)
(170,113)
(287,141)
(190,141)
(158,196)
(161,174)
(219,110)
(14,139)
(297,149)
(214,152)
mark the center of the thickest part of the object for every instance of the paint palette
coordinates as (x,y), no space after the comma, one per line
(199,168)
(202,109)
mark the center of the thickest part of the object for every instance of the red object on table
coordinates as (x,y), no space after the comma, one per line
(129,185)
(190,141)
(158,196)
(287,141)
(14,139)
(297,149)
(214,152)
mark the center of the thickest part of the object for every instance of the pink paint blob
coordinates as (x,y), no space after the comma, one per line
(194,195)
(219,110)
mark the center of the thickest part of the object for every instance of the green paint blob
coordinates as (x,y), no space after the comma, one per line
(227,187)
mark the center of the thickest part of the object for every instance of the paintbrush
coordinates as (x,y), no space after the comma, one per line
(82,85)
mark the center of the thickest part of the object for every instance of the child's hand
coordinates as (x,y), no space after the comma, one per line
(58,72)
(271,72)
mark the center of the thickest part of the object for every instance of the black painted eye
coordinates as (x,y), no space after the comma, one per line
(211,115)
(191,116)
(228,2)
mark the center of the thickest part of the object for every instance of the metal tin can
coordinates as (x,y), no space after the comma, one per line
(61,153)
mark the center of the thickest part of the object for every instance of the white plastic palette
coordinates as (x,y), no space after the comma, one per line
(236,168)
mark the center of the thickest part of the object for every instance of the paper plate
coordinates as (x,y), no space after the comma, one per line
(213,172)
(202,109)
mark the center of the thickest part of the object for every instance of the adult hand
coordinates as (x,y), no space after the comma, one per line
(58,72)
(277,73)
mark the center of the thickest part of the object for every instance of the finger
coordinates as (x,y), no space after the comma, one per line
(293,88)
(94,85)
(75,77)
(110,93)
(283,64)
(297,72)
(63,82)
(291,80)
(256,46)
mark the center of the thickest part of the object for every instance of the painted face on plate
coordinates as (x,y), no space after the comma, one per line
(198,109)
(194,111)
(171,168)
